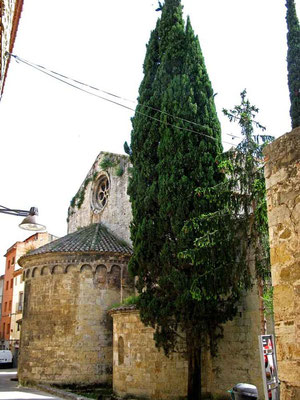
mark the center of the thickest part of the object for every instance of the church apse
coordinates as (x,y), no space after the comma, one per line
(72,282)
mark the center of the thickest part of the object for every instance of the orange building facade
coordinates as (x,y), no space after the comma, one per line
(7,294)
(13,273)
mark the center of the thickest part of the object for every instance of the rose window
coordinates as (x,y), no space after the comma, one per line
(101,192)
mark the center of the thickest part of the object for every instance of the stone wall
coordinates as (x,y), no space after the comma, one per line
(116,214)
(238,358)
(66,333)
(139,368)
(145,371)
(282,175)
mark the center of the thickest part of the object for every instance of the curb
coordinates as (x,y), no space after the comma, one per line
(61,393)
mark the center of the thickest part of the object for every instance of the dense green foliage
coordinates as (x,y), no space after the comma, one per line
(174,144)
(234,232)
(198,215)
(293,59)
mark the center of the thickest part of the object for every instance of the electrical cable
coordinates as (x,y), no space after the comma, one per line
(58,76)
(62,78)
(41,67)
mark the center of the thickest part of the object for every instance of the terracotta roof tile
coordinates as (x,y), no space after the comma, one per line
(94,238)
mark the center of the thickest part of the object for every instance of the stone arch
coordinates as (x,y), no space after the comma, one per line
(28,273)
(35,272)
(71,268)
(127,280)
(86,270)
(101,275)
(114,277)
(45,271)
(57,269)
(120,350)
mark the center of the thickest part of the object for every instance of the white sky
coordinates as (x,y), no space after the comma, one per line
(51,133)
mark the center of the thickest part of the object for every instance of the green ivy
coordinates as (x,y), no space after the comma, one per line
(106,163)
(119,171)
(78,199)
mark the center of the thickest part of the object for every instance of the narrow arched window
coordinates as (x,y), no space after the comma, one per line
(120,350)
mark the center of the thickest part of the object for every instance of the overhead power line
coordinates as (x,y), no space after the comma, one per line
(67,80)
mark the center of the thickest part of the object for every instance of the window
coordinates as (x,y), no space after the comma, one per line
(100,193)
(3,329)
(7,283)
(9,309)
(13,261)
(21,298)
(11,283)
(8,328)
(5,306)
(8,265)
(20,304)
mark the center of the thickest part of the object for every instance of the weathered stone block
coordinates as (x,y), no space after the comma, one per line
(282,175)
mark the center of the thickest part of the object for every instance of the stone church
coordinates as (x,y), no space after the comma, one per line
(70,335)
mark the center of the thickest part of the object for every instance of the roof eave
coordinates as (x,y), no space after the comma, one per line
(27,257)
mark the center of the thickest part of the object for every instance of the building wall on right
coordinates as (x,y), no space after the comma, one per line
(282,173)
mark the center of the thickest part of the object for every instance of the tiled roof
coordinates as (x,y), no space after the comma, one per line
(123,308)
(94,238)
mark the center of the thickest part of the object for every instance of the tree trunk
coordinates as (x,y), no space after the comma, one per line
(194,373)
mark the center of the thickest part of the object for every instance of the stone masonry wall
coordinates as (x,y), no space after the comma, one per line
(116,215)
(282,175)
(66,335)
(145,371)
(139,368)
(238,358)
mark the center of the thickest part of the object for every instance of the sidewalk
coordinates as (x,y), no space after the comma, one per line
(10,390)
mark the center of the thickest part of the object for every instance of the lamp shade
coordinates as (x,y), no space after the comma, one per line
(29,223)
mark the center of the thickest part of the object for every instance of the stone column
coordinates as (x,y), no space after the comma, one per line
(282,174)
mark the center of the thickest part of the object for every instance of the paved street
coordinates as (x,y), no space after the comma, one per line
(10,390)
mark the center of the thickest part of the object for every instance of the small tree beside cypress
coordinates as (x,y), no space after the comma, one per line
(293,60)
(234,233)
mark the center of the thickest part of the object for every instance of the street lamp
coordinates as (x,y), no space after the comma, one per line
(29,222)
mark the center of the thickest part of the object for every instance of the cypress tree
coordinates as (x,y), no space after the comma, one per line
(174,143)
(293,60)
